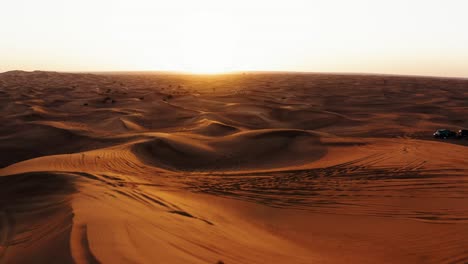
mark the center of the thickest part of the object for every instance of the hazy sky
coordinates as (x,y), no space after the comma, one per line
(425,37)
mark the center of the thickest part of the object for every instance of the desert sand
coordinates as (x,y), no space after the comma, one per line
(233,168)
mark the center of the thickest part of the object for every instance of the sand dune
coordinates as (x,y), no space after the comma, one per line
(238,168)
(260,149)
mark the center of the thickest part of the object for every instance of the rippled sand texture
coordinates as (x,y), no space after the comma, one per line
(241,168)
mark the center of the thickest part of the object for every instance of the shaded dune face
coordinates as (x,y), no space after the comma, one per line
(46,138)
(36,218)
(260,149)
(238,168)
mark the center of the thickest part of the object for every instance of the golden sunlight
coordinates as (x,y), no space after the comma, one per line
(233,131)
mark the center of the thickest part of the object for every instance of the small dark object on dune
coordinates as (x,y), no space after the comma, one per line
(444,133)
(168,97)
(113,101)
(85,104)
(220,262)
(108,90)
(107,99)
(141,98)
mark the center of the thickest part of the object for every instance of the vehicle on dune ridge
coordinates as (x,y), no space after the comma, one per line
(444,134)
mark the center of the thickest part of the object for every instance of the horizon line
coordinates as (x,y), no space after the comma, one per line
(175,72)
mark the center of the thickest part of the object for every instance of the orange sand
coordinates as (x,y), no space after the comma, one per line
(239,168)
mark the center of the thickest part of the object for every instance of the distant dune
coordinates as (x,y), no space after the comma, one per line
(234,168)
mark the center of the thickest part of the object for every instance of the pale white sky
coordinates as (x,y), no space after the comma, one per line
(424,37)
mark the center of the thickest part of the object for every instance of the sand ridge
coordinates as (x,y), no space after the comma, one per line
(238,168)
